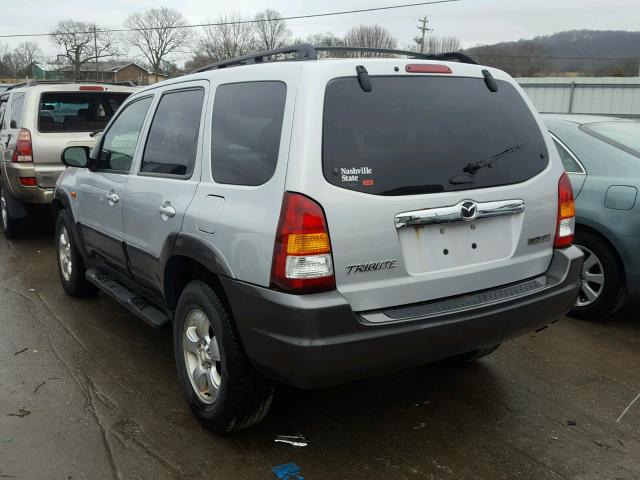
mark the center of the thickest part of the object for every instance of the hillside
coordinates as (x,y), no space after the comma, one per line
(582,52)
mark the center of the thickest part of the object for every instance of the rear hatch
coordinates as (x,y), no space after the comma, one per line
(433,186)
(68,118)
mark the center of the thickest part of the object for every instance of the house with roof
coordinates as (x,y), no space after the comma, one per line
(116,72)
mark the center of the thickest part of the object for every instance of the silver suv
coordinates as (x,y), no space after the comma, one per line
(37,122)
(319,221)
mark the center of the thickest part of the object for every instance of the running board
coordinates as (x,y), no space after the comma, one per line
(133,302)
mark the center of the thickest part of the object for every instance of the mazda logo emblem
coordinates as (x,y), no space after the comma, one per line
(468,210)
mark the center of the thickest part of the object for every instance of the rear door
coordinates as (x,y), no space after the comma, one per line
(433,185)
(159,193)
(100,192)
(64,117)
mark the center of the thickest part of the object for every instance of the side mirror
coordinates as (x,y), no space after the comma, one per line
(76,157)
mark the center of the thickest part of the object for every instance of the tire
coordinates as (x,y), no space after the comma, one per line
(605,293)
(71,267)
(10,226)
(220,384)
(474,355)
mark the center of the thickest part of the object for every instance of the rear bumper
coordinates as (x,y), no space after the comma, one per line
(317,340)
(37,194)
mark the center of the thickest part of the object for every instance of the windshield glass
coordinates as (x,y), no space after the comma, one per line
(622,134)
(77,112)
(413,135)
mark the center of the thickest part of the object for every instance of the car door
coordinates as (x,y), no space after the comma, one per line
(164,181)
(101,189)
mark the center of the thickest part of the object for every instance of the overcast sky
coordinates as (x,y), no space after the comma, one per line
(473,21)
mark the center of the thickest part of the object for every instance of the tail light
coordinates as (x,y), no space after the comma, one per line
(566,224)
(23,152)
(302,261)
(28,181)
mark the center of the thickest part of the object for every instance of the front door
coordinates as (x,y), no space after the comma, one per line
(163,186)
(101,191)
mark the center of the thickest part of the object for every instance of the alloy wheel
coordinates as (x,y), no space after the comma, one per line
(64,254)
(3,208)
(202,356)
(591,279)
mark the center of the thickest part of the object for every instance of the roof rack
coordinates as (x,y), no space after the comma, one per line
(302,52)
(309,52)
(443,57)
(32,82)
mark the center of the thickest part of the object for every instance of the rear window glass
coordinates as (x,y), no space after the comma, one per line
(77,112)
(247,124)
(624,135)
(416,135)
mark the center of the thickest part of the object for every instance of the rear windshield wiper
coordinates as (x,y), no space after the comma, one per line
(412,190)
(93,134)
(473,167)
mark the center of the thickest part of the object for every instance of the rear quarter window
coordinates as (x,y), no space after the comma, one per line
(77,111)
(247,125)
(417,135)
(17,104)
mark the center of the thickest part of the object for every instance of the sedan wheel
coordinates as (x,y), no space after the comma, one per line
(591,279)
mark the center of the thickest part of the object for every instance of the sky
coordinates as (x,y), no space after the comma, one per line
(474,22)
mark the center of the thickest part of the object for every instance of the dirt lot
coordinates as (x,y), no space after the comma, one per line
(89,391)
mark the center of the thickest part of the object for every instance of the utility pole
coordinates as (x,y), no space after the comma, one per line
(424,20)
(95,47)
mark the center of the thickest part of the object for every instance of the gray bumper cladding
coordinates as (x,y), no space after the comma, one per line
(317,340)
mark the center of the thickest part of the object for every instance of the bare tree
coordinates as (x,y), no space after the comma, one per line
(159,33)
(25,57)
(435,44)
(6,62)
(271,32)
(372,36)
(79,41)
(228,38)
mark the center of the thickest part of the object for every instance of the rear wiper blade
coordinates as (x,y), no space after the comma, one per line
(413,190)
(93,134)
(473,167)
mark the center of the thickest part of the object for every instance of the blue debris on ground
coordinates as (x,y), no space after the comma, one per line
(287,471)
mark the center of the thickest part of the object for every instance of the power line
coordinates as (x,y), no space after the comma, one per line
(295,17)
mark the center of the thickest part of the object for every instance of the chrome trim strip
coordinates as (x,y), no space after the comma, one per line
(452,213)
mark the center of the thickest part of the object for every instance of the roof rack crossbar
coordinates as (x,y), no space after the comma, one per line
(302,52)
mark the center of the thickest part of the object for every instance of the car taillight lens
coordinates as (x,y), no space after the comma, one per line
(28,181)
(566,224)
(302,260)
(23,152)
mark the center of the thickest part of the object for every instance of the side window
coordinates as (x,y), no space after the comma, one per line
(119,142)
(247,125)
(3,108)
(17,102)
(173,137)
(569,163)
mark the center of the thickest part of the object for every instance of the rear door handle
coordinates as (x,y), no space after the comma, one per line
(167,211)
(112,198)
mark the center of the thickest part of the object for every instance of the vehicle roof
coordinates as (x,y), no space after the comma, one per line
(459,69)
(583,119)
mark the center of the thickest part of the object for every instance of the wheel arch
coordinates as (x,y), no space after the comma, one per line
(180,269)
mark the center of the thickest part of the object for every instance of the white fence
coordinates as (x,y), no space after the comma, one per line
(594,95)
